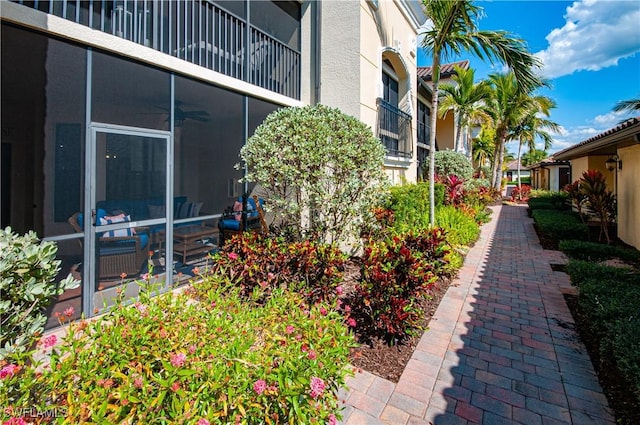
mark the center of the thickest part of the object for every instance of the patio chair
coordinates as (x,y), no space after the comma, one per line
(234,218)
(117,254)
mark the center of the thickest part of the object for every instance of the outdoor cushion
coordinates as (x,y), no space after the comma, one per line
(113,219)
(229,223)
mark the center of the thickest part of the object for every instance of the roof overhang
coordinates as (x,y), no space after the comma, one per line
(607,143)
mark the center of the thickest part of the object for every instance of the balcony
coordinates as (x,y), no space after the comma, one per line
(394,130)
(197,31)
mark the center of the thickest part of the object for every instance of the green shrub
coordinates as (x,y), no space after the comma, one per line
(28,268)
(321,170)
(410,205)
(558,225)
(395,273)
(547,199)
(206,355)
(609,297)
(461,229)
(581,270)
(593,251)
(453,163)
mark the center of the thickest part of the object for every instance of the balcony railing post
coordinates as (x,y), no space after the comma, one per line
(176,27)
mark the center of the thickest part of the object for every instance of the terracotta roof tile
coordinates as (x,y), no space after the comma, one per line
(446,70)
(626,124)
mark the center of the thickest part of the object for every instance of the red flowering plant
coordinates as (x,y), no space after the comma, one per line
(262,264)
(521,193)
(205,355)
(395,274)
(454,189)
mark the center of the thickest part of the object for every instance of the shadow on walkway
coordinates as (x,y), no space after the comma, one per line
(501,348)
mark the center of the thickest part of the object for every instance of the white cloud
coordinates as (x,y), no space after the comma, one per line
(596,35)
(599,124)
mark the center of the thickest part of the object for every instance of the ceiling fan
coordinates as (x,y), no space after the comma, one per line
(181,115)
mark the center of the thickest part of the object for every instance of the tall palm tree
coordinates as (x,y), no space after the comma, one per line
(466,100)
(506,107)
(453,31)
(534,126)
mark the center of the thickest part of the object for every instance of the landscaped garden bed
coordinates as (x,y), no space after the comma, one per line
(607,276)
(268,333)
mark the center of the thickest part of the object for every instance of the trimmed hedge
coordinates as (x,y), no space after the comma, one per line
(548,200)
(559,225)
(593,251)
(609,297)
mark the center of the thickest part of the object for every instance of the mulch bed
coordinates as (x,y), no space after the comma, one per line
(389,361)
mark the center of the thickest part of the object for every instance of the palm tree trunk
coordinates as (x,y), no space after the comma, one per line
(458,135)
(435,70)
(519,180)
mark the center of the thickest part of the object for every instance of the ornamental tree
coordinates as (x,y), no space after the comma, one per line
(321,170)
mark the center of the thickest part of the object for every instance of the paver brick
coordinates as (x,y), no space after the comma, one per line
(469,412)
(502,348)
(491,405)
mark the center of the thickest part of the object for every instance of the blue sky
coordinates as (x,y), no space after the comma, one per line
(591,55)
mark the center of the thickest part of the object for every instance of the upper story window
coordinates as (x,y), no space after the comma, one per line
(424,123)
(390,89)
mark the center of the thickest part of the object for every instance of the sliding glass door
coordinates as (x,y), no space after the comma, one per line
(128,192)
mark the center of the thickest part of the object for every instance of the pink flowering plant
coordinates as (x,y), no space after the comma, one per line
(205,355)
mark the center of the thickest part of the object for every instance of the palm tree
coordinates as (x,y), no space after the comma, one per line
(533,156)
(483,146)
(466,100)
(534,126)
(452,31)
(627,105)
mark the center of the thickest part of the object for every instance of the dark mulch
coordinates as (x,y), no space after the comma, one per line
(388,361)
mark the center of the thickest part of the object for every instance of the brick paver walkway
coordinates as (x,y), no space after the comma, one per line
(501,348)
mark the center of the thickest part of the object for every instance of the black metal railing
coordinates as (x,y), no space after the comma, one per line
(394,129)
(197,31)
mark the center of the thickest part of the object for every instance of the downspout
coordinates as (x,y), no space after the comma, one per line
(316,12)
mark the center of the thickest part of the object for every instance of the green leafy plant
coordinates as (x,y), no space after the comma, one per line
(395,273)
(601,203)
(410,205)
(609,297)
(321,170)
(461,229)
(206,355)
(28,270)
(453,163)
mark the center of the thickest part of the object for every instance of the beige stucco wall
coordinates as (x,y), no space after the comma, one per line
(445,132)
(340,56)
(355,36)
(629,196)
(593,162)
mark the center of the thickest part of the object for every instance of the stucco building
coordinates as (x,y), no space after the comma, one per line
(141,107)
(616,154)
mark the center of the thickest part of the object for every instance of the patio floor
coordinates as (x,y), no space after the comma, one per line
(501,348)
